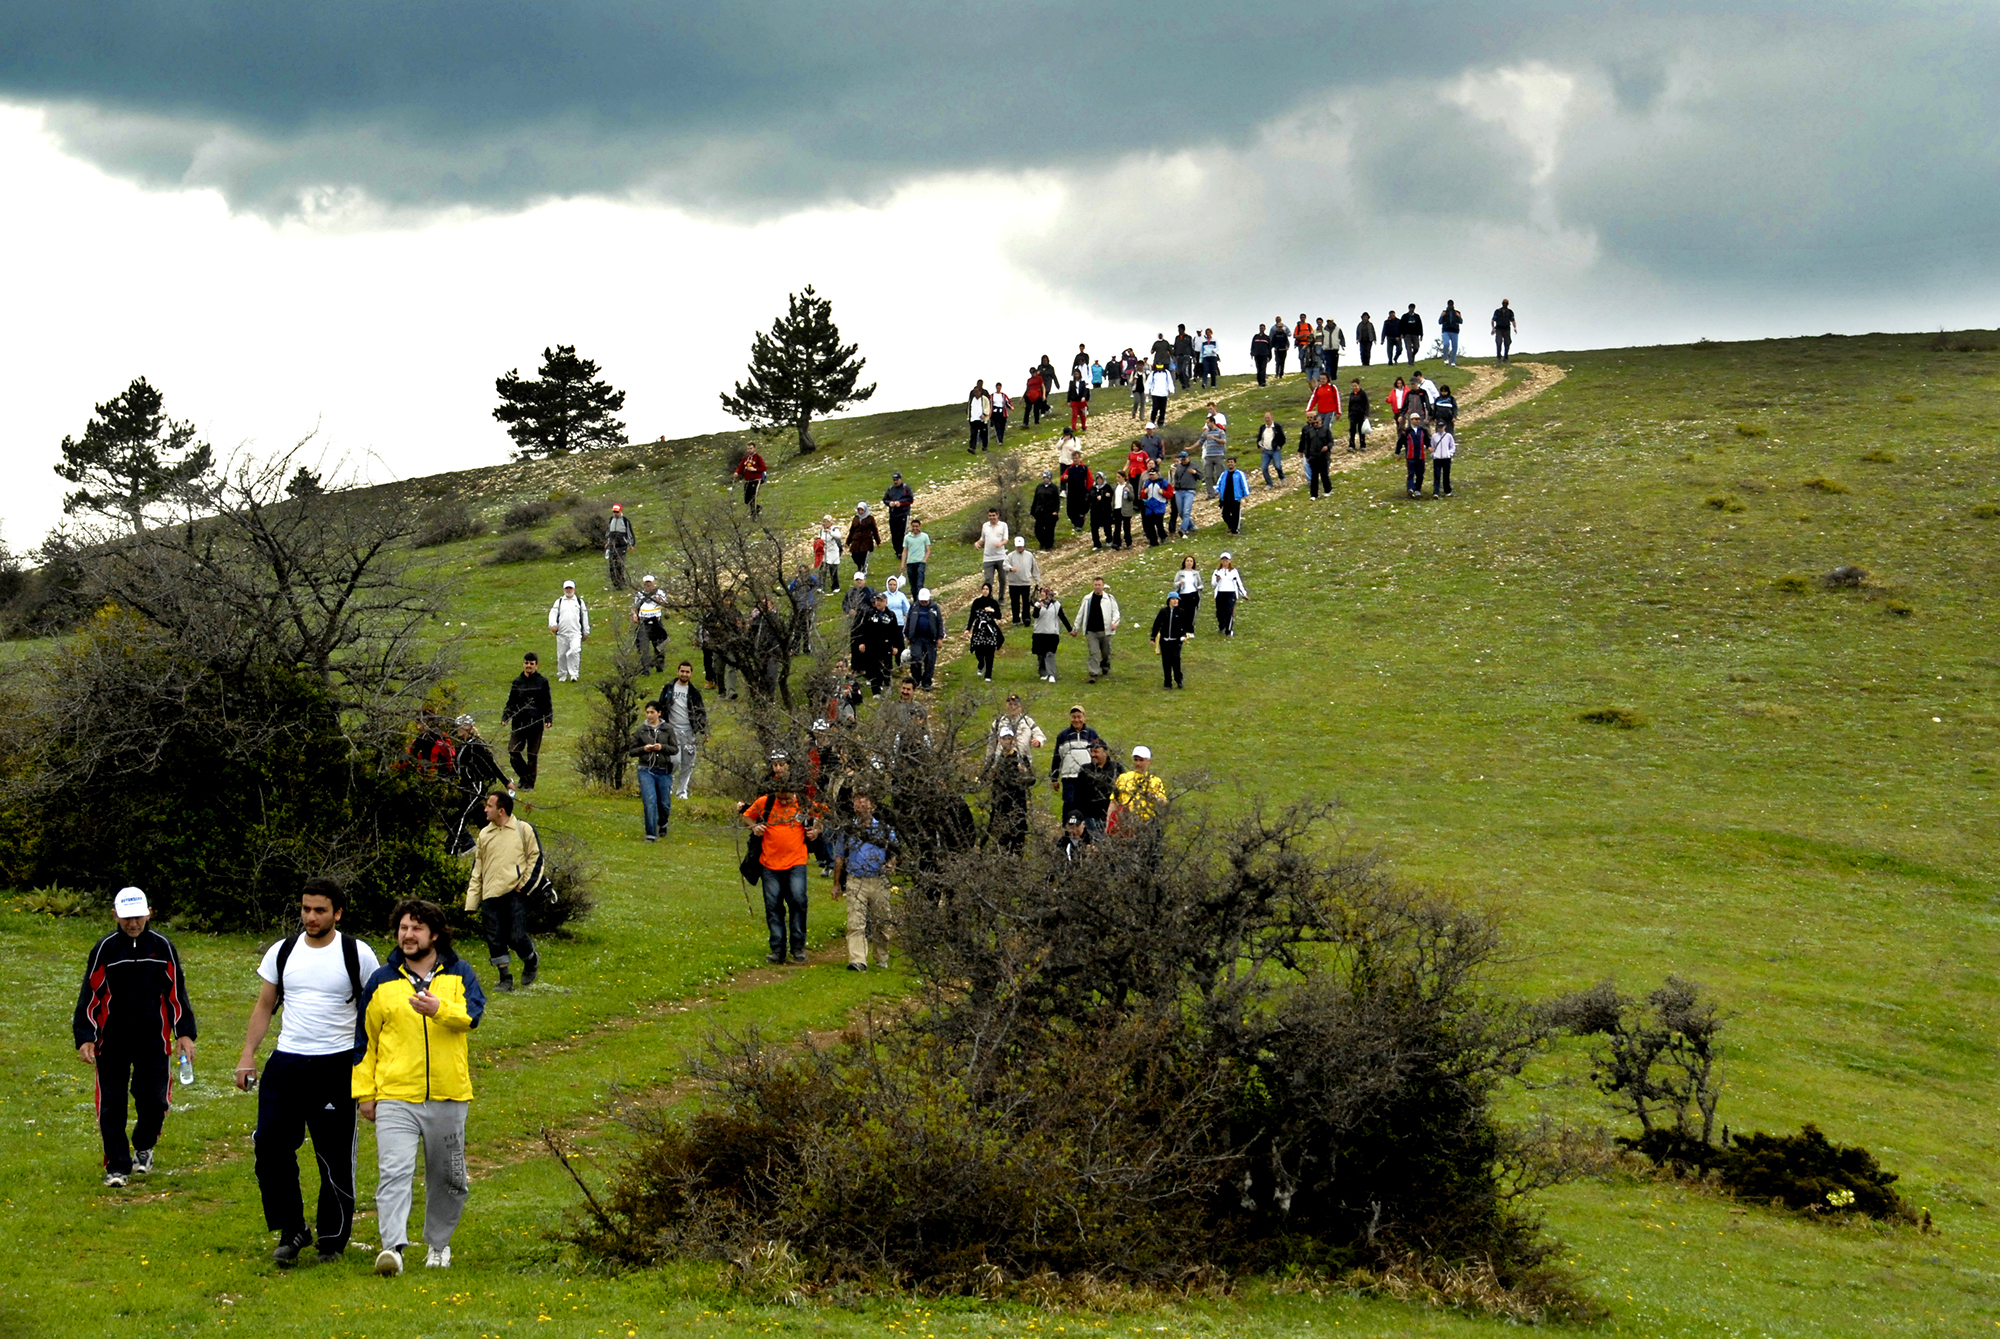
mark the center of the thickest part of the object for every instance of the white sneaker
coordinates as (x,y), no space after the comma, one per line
(389,1262)
(438,1258)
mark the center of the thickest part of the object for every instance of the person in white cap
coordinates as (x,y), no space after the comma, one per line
(1226,584)
(923,630)
(649,624)
(1023,575)
(132,1014)
(569,620)
(1138,796)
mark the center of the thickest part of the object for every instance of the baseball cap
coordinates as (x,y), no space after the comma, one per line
(647,577)
(778,755)
(1141,751)
(129,902)
(569,585)
(464,720)
(1072,818)
(1020,542)
(618,506)
(1006,732)
(897,475)
(860,579)
(924,594)
(1225,554)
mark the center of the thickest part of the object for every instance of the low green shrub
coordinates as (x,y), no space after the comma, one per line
(1822,484)
(1725,502)
(1752,430)
(1809,1172)
(1793,582)
(621,465)
(1624,718)
(444,522)
(1986,511)
(583,534)
(55,900)
(527,515)
(1878,456)
(518,549)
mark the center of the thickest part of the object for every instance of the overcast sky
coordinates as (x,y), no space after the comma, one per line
(355,216)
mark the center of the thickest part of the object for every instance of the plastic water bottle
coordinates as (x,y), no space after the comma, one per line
(187,1069)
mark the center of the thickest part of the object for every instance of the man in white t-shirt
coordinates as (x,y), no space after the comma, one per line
(316,978)
(993,536)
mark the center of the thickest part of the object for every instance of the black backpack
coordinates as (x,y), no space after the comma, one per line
(350,953)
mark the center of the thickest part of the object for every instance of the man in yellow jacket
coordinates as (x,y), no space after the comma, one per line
(414,1079)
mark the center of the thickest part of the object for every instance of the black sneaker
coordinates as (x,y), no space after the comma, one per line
(505,983)
(530,970)
(329,1255)
(774,958)
(799,959)
(289,1247)
(142,1161)
(857,966)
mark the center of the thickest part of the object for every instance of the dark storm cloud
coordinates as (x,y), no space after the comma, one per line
(1757,142)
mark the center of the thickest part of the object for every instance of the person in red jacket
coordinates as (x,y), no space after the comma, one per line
(1325,402)
(1037,397)
(751,471)
(1413,444)
(1137,463)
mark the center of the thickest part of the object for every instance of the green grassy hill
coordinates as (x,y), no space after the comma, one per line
(1802,818)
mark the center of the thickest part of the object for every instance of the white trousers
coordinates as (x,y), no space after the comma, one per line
(569,656)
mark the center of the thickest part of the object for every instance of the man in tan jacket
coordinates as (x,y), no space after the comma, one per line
(506,867)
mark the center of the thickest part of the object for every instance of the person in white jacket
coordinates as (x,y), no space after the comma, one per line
(1097,621)
(569,620)
(1160,385)
(993,537)
(1023,575)
(1226,584)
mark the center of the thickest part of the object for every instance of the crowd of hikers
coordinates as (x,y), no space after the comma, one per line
(388,1041)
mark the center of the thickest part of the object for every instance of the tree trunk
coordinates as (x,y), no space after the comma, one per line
(806,443)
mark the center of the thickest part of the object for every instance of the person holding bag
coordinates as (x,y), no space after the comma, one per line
(506,871)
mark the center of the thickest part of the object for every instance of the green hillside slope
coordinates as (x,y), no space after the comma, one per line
(1802,818)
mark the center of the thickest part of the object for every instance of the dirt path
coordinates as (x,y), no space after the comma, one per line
(1068,568)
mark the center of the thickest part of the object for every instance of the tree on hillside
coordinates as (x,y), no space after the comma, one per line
(799,371)
(568,407)
(743,581)
(131,457)
(306,483)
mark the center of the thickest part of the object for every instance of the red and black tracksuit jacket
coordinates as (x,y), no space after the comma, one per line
(134,996)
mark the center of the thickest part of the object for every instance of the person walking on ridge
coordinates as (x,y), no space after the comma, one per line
(897,500)
(1504,325)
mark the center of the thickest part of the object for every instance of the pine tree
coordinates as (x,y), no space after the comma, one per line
(305,484)
(568,407)
(799,371)
(131,457)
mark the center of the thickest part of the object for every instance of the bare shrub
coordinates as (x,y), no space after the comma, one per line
(1623,718)
(444,523)
(517,549)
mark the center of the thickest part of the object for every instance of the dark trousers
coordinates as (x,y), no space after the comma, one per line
(1278,357)
(1319,474)
(1008,827)
(899,524)
(1232,515)
(1070,788)
(1156,527)
(750,487)
(1170,663)
(1018,600)
(978,436)
(300,1095)
(1101,526)
(1416,472)
(1357,440)
(1441,477)
(1331,357)
(1503,344)
(1225,612)
(651,637)
(1000,429)
(1211,371)
(1261,366)
(524,750)
(1159,414)
(711,668)
(983,655)
(1366,349)
(785,909)
(1394,347)
(143,1073)
(504,922)
(1036,409)
(1045,532)
(1124,531)
(923,662)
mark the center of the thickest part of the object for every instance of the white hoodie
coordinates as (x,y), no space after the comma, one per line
(569,614)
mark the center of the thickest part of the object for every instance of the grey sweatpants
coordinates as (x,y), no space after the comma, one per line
(439,1128)
(1098,648)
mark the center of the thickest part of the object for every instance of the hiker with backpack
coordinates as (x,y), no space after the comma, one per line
(305,1090)
(506,873)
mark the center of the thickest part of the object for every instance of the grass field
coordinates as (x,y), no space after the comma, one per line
(1803,819)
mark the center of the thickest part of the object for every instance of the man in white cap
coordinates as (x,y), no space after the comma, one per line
(132,1014)
(649,624)
(1138,796)
(923,630)
(569,620)
(1023,575)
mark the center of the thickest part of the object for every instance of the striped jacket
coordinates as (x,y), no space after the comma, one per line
(133,993)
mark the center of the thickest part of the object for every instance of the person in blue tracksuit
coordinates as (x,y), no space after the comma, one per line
(1230,490)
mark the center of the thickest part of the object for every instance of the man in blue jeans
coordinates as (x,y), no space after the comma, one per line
(1187,483)
(784,825)
(1449,322)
